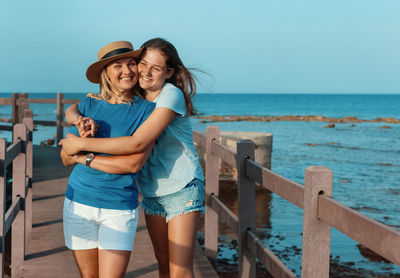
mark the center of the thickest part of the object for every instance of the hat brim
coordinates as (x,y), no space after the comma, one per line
(93,71)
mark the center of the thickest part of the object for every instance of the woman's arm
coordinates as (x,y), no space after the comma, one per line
(147,133)
(67,160)
(86,125)
(117,164)
(72,114)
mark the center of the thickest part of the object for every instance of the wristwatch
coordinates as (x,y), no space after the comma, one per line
(89,158)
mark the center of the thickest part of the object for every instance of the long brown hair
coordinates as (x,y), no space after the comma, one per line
(182,77)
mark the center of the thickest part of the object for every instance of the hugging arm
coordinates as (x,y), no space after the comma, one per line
(118,164)
(144,136)
(129,163)
(87,126)
(72,114)
(110,164)
(84,131)
(67,160)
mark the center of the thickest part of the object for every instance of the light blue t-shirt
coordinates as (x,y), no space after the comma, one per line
(173,162)
(96,188)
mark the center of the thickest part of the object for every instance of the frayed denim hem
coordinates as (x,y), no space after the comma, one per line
(201,209)
(149,211)
(169,217)
(188,199)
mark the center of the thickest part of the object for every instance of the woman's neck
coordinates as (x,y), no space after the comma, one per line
(151,95)
(116,100)
(113,101)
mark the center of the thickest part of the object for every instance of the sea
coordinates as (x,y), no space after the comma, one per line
(364,158)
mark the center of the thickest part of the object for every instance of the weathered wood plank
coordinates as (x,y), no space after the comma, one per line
(376,236)
(224,153)
(285,188)
(269,260)
(212,187)
(224,213)
(12,213)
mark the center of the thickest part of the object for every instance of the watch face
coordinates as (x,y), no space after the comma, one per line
(90,156)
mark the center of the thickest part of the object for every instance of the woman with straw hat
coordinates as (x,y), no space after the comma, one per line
(171,181)
(100,208)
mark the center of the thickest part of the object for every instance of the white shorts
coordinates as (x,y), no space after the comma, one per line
(87,227)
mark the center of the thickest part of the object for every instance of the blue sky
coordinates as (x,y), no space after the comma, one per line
(265,46)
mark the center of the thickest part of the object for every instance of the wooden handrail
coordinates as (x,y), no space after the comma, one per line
(41,100)
(320,213)
(19,214)
(223,152)
(285,188)
(5,120)
(224,212)
(11,213)
(13,151)
(376,236)
(271,262)
(5,127)
(45,123)
(6,101)
(20,102)
(70,101)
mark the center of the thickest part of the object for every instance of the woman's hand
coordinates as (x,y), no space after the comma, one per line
(86,126)
(80,158)
(71,144)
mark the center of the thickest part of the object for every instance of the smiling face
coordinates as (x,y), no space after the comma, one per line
(123,74)
(153,71)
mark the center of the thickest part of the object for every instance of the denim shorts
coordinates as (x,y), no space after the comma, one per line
(188,199)
(87,227)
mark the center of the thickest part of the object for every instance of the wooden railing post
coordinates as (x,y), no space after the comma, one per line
(14,108)
(60,117)
(18,190)
(316,234)
(212,187)
(22,104)
(3,182)
(28,122)
(247,209)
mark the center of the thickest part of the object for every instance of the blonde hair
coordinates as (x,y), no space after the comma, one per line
(109,91)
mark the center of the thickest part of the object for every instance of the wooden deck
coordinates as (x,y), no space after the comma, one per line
(46,254)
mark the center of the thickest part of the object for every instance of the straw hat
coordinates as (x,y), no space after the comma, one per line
(111,52)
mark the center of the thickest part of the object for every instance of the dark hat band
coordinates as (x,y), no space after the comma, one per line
(116,52)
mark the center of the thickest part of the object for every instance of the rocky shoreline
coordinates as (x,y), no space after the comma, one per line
(307,118)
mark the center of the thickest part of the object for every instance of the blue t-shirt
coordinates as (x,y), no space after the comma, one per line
(96,188)
(173,162)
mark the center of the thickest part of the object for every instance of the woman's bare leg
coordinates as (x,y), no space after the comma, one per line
(182,232)
(158,231)
(87,262)
(113,263)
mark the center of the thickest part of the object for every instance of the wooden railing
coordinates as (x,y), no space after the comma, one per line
(19,213)
(321,213)
(20,102)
